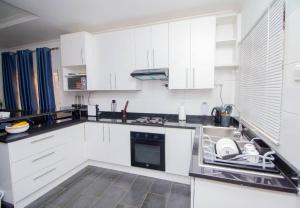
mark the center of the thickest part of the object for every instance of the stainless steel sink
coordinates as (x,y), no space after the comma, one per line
(219,132)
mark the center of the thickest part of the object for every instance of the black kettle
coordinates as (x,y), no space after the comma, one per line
(216,113)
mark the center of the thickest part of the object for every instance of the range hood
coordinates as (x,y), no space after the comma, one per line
(151,74)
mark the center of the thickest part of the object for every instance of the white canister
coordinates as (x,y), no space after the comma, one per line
(181,113)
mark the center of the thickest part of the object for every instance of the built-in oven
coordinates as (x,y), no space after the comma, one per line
(77,82)
(148,150)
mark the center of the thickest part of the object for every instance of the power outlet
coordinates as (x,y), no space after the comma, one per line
(297,73)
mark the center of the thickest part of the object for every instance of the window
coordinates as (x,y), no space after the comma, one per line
(261,73)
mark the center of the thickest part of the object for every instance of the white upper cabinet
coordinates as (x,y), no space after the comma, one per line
(116,60)
(73,49)
(160,46)
(151,47)
(191,53)
(142,47)
(203,46)
(179,54)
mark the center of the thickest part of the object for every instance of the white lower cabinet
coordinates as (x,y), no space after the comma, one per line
(178,150)
(108,143)
(213,194)
(42,159)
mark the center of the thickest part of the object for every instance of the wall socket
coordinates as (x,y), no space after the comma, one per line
(297,73)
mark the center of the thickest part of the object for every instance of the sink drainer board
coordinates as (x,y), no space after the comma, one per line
(239,161)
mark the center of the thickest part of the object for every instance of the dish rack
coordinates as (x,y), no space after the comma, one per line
(265,161)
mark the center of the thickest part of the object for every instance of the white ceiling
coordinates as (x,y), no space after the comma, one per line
(56,17)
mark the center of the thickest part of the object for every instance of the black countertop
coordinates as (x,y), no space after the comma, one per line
(278,183)
(39,129)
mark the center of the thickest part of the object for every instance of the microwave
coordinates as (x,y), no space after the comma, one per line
(77,82)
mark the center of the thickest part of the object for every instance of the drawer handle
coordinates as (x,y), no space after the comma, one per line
(44,174)
(42,157)
(42,139)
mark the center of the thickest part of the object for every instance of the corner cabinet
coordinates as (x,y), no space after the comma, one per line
(79,60)
(73,49)
(192,53)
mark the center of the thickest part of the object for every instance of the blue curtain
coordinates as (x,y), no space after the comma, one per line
(26,81)
(9,80)
(45,80)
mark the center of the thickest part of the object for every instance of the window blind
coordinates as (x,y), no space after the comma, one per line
(261,72)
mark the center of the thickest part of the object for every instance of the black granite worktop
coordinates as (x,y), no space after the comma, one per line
(39,129)
(276,182)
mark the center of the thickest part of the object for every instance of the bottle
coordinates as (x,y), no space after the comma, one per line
(181,113)
(113,106)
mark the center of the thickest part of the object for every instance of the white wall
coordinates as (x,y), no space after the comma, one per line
(290,120)
(156,98)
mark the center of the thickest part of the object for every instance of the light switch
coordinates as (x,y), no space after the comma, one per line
(297,73)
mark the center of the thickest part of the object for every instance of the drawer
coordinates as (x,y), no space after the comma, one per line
(29,185)
(34,163)
(21,149)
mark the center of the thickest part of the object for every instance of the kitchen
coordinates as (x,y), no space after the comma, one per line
(171,104)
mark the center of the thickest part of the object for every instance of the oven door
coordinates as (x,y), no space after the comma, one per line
(148,150)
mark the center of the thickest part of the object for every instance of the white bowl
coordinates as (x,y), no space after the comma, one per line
(17,129)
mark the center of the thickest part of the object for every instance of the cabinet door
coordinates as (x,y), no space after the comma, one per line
(118,144)
(124,61)
(106,50)
(179,54)
(96,148)
(178,140)
(73,49)
(142,48)
(203,52)
(160,46)
(75,135)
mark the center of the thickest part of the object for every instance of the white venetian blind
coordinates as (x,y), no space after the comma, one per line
(261,72)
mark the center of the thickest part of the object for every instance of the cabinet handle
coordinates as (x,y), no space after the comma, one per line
(109,134)
(81,54)
(42,139)
(153,58)
(44,174)
(42,157)
(193,77)
(103,132)
(110,80)
(148,59)
(187,77)
(115,81)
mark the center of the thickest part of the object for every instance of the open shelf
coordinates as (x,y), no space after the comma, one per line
(226,42)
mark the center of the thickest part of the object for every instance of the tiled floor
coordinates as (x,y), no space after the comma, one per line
(102,188)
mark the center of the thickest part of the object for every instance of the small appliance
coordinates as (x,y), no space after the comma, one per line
(77,82)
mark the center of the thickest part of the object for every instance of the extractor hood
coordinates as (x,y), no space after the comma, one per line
(151,74)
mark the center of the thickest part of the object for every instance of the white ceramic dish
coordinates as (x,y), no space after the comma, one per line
(226,146)
(17,129)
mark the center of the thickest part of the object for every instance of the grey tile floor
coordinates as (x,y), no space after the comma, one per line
(95,187)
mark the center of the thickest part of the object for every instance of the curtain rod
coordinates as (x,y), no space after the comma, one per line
(52,49)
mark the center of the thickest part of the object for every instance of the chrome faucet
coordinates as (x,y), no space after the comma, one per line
(238,132)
